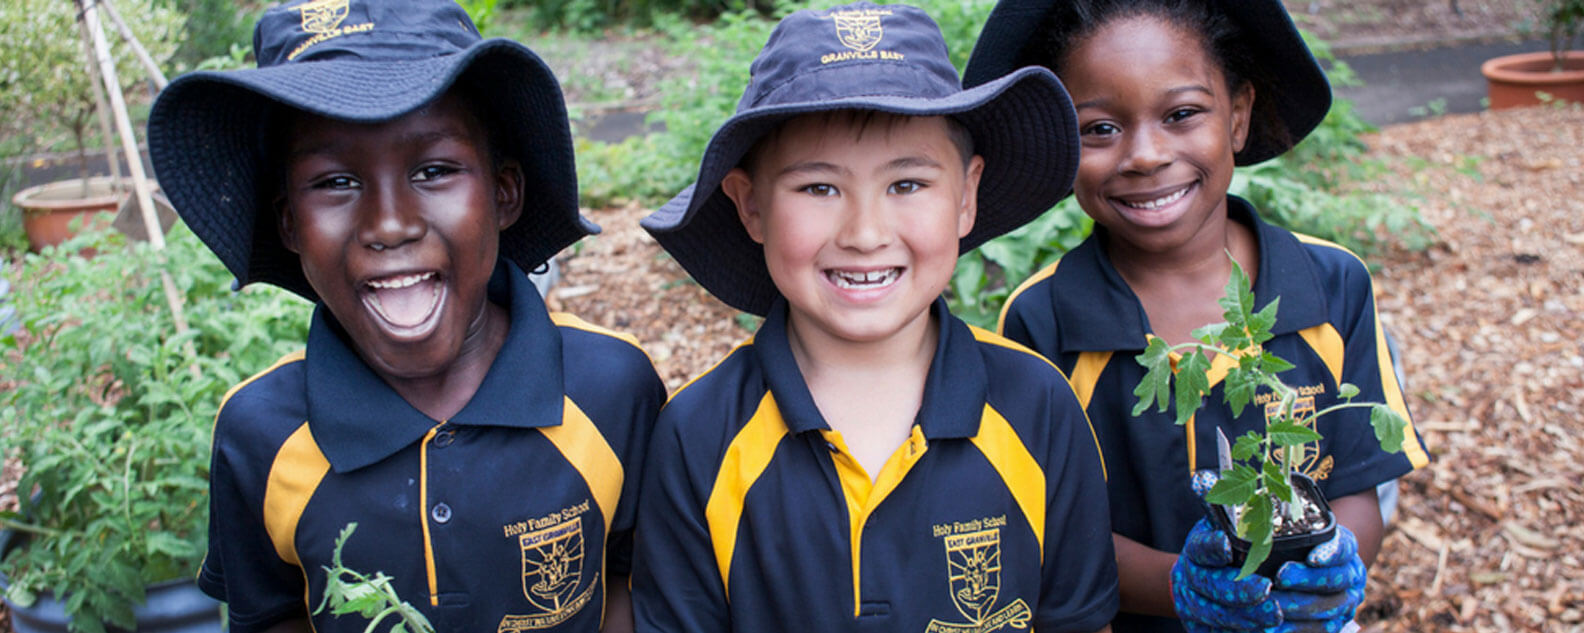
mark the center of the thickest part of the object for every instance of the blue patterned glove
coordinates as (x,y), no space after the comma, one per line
(1206,594)
(1322,593)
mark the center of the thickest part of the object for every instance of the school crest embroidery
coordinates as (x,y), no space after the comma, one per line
(1310,462)
(323,16)
(858,30)
(973,568)
(552,560)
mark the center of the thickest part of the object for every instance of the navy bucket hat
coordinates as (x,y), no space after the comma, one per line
(890,59)
(361,61)
(1299,89)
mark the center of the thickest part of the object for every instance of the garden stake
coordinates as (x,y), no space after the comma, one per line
(137,47)
(101,49)
(101,109)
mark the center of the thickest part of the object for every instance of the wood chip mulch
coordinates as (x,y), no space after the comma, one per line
(1489,537)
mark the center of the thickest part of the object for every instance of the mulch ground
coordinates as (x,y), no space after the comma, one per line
(1489,537)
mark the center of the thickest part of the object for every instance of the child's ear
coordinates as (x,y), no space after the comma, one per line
(285,223)
(968,210)
(508,193)
(738,186)
(1242,113)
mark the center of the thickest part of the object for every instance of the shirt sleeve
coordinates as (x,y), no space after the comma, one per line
(242,567)
(1079,589)
(1366,364)
(676,584)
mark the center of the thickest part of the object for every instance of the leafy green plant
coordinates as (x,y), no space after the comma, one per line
(985,277)
(112,409)
(373,597)
(1261,479)
(1564,21)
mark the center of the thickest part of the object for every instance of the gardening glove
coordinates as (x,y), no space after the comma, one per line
(1205,590)
(1321,593)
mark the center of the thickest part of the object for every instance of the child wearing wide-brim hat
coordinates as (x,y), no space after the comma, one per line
(378,162)
(1172,95)
(867,461)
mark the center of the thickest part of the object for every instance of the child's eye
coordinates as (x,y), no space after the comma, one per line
(336,182)
(818,189)
(1180,114)
(904,187)
(1100,129)
(432,172)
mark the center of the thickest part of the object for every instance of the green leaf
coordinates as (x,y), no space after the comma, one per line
(1273,364)
(1235,486)
(1209,334)
(1287,433)
(1239,388)
(1247,446)
(1239,299)
(1254,526)
(1390,428)
(1156,384)
(1347,391)
(1191,383)
(1260,324)
(1276,482)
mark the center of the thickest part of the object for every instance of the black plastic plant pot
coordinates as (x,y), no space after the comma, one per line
(175,606)
(1292,547)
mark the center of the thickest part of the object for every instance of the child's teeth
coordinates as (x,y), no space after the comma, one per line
(1161,201)
(863,279)
(399,282)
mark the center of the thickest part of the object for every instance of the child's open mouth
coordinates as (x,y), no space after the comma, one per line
(1155,209)
(1151,205)
(404,301)
(863,280)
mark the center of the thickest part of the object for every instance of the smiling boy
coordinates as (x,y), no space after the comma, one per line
(867,461)
(377,164)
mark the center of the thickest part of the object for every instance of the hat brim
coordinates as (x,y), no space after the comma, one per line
(207,144)
(1022,124)
(1301,92)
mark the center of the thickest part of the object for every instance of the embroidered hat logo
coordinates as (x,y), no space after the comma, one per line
(859,30)
(323,16)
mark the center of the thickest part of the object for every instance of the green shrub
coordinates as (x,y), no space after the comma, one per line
(112,411)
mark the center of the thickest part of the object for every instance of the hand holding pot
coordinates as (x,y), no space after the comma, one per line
(1205,590)
(1321,593)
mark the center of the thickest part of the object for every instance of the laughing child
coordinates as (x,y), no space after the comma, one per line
(867,461)
(377,162)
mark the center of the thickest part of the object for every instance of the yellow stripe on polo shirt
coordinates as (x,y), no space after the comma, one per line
(298,468)
(1024,478)
(745,460)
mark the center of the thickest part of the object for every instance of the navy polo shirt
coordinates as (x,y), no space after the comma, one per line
(756,517)
(510,516)
(1081,314)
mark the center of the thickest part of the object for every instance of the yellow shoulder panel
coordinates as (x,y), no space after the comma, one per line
(582,444)
(1000,444)
(746,459)
(298,468)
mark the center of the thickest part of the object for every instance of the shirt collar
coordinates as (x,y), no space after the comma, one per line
(954,391)
(357,419)
(1098,311)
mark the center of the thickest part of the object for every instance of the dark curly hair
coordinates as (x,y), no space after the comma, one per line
(1069,24)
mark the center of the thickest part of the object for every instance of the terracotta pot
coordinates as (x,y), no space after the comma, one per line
(1514,79)
(49,209)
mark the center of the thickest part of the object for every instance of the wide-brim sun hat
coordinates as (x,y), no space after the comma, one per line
(881,58)
(1299,89)
(360,61)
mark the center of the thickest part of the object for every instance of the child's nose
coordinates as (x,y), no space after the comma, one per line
(1147,152)
(389,221)
(864,226)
